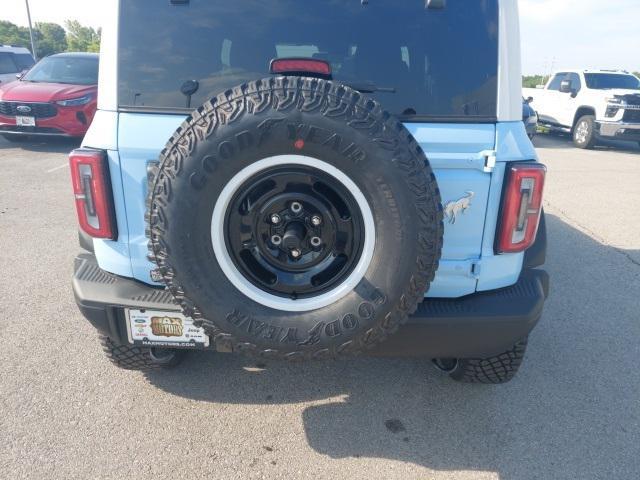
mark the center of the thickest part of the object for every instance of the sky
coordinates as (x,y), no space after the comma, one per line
(556,34)
(560,34)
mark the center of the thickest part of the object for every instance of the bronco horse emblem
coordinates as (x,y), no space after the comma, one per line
(454,208)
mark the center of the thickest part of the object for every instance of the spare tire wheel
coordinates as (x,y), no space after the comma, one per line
(294,217)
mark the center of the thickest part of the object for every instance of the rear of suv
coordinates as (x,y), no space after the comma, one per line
(13,61)
(326,180)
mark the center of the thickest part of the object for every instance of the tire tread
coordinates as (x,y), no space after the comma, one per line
(129,357)
(491,370)
(284,94)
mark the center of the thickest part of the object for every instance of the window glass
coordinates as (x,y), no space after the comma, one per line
(72,70)
(574,78)
(557,80)
(225,55)
(23,60)
(7,65)
(440,63)
(604,81)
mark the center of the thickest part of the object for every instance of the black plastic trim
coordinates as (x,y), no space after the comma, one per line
(30,131)
(402,118)
(85,241)
(477,325)
(536,254)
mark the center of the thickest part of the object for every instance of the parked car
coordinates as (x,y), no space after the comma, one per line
(57,96)
(590,104)
(267,190)
(13,61)
(529,117)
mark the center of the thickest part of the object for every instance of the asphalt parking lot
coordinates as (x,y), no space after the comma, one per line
(572,412)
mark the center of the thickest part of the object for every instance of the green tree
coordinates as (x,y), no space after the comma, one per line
(532,81)
(80,38)
(50,38)
(11,34)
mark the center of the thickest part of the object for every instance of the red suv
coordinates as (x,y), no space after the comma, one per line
(58,96)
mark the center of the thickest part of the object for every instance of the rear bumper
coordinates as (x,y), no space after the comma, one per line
(482,324)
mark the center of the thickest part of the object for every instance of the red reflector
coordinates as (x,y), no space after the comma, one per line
(92,190)
(300,66)
(521,207)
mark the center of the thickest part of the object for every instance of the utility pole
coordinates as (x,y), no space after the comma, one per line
(33,45)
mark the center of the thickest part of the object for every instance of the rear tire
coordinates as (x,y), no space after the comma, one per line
(489,370)
(584,132)
(129,357)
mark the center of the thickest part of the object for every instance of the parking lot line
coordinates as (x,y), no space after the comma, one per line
(57,168)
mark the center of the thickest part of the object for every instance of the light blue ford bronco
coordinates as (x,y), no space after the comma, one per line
(305,180)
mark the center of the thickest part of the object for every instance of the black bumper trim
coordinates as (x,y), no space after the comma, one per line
(477,325)
(46,131)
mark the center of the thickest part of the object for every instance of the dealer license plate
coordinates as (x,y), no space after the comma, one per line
(26,121)
(153,328)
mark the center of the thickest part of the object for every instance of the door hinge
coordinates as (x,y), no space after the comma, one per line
(489,160)
(476,268)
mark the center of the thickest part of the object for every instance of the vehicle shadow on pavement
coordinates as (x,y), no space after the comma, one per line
(42,144)
(572,412)
(556,141)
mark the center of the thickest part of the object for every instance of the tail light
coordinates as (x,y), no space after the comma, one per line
(521,207)
(301,66)
(92,190)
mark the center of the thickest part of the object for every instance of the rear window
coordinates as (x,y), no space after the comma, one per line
(7,65)
(23,60)
(440,63)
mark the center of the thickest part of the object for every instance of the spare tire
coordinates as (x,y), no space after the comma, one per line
(293,217)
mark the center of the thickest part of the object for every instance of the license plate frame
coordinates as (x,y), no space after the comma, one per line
(160,328)
(23,121)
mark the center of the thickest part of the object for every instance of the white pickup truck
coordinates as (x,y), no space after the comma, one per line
(591,104)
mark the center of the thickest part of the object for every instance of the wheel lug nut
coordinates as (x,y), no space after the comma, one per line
(275,219)
(316,220)
(316,241)
(276,240)
(295,253)
(296,207)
